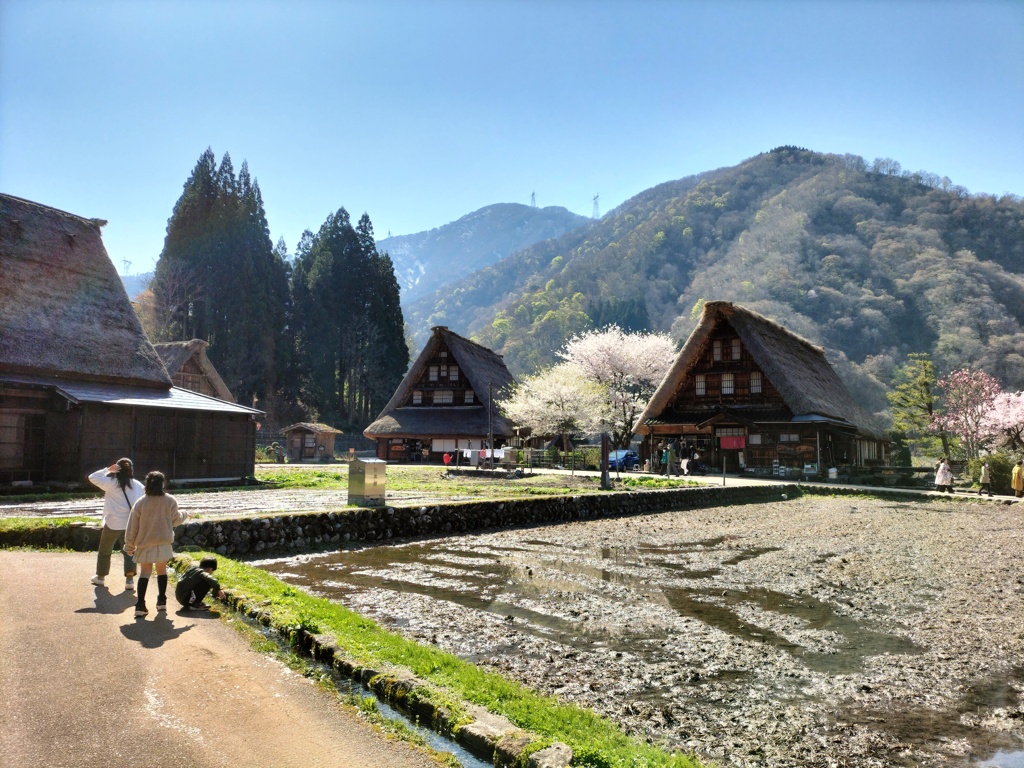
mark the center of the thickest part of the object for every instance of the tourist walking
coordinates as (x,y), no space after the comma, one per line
(944,477)
(120,491)
(1017,479)
(986,480)
(149,537)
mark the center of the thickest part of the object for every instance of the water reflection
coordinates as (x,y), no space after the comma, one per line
(502,580)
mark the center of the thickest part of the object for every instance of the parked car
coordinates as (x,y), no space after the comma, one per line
(622,459)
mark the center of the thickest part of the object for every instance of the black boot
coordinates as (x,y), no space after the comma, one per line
(161,597)
(140,591)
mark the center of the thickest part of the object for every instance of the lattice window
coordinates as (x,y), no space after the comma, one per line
(755,382)
(700,385)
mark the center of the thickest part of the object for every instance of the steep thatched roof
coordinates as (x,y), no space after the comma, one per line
(797,368)
(176,353)
(309,426)
(63,310)
(485,371)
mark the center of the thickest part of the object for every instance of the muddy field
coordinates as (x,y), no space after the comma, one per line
(814,632)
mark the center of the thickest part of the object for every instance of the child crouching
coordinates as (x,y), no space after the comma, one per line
(195,583)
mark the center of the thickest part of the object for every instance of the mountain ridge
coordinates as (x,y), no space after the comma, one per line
(863,259)
(426,261)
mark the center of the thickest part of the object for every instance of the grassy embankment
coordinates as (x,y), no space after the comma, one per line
(595,741)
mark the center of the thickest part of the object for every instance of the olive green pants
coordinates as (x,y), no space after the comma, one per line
(109,538)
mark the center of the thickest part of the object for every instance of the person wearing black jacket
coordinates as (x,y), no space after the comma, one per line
(195,583)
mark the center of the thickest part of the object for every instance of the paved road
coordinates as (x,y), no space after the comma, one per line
(84,684)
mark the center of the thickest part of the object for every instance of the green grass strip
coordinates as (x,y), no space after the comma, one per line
(28,524)
(596,742)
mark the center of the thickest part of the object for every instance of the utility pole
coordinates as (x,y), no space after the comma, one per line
(490,425)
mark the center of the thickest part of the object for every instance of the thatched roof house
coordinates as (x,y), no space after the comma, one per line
(80,384)
(445,403)
(190,368)
(746,391)
(309,441)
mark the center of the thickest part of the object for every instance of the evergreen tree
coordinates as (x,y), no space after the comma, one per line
(349,325)
(914,404)
(219,278)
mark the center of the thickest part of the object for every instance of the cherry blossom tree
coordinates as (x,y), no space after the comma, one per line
(557,401)
(627,366)
(968,397)
(1006,417)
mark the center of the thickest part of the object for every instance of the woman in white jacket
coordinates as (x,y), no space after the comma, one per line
(120,492)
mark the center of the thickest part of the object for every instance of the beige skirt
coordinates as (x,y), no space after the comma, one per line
(158,554)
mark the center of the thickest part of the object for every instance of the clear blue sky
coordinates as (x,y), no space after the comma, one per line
(420,112)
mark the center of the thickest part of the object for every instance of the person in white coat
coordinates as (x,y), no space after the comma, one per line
(120,492)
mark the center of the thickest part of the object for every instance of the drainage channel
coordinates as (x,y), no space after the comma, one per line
(350,687)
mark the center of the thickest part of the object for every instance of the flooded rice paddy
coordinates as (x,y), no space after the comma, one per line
(811,632)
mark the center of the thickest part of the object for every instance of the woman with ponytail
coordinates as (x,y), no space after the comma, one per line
(120,492)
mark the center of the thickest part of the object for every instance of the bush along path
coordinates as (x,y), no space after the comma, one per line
(496,719)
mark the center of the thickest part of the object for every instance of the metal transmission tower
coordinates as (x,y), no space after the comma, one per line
(533,199)
(597,210)
(127,265)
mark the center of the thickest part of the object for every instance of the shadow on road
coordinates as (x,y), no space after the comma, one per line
(109,602)
(153,634)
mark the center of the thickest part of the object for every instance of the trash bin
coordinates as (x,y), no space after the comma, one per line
(366,482)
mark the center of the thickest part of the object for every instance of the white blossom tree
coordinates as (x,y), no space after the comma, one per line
(627,366)
(557,401)
(967,399)
(1006,417)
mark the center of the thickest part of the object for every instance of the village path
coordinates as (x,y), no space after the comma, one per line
(86,684)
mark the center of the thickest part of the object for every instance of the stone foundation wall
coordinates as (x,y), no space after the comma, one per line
(296,533)
(284,534)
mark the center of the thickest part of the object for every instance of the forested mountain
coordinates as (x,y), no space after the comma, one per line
(426,261)
(868,261)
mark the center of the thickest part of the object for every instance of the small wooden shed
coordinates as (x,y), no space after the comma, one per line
(309,441)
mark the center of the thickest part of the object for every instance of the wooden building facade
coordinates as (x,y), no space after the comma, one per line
(445,403)
(750,395)
(190,368)
(80,384)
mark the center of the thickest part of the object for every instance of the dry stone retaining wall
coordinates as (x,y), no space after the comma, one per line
(295,533)
(283,534)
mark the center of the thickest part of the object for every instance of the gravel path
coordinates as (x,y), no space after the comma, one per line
(815,632)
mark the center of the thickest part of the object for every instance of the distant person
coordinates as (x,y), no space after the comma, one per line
(1017,479)
(986,480)
(120,491)
(944,477)
(195,583)
(149,537)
